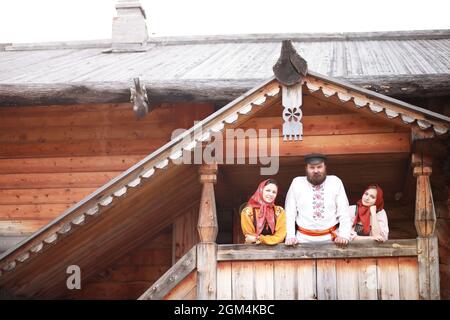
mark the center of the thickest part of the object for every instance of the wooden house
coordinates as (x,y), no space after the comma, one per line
(83,183)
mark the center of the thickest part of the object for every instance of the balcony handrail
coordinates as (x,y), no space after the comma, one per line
(390,248)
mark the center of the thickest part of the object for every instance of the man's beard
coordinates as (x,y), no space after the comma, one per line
(316,179)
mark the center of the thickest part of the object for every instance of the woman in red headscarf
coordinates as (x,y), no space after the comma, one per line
(261,220)
(369,217)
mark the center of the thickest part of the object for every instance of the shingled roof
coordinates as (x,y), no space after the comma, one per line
(220,68)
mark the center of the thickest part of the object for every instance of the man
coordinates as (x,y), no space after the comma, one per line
(317,206)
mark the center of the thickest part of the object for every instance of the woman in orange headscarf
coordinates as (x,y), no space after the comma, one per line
(369,217)
(261,220)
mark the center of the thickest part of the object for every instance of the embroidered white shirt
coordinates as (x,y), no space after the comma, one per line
(317,208)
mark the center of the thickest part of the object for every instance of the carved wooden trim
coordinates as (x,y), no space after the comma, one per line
(207,220)
(292,112)
(425,215)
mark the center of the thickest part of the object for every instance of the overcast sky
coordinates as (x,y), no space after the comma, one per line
(59,20)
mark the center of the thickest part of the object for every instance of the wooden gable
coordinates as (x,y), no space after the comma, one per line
(367,136)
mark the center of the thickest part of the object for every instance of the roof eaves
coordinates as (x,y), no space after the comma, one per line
(380,96)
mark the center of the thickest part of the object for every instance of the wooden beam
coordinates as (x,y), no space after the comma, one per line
(207,229)
(398,142)
(7,242)
(329,124)
(209,90)
(185,290)
(206,271)
(42,196)
(428,258)
(81,148)
(391,248)
(56,180)
(425,222)
(69,164)
(172,277)
(32,211)
(119,92)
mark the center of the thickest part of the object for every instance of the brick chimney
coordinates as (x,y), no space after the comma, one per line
(129,30)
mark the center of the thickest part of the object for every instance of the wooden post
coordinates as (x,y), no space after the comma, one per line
(425,222)
(207,229)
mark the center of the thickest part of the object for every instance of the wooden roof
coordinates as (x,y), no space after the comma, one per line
(121,213)
(220,68)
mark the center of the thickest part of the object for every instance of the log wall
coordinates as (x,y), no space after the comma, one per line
(52,157)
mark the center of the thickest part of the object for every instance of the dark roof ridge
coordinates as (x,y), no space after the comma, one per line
(239,38)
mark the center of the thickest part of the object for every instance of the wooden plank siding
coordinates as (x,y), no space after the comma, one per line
(185,234)
(328,127)
(130,275)
(322,279)
(51,157)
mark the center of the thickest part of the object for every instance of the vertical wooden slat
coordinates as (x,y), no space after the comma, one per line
(206,270)
(242,274)
(263,278)
(306,280)
(388,278)
(285,280)
(422,258)
(326,279)
(224,280)
(347,282)
(428,263)
(185,234)
(367,278)
(408,272)
(433,258)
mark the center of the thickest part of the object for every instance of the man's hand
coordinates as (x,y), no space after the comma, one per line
(291,241)
(342,242)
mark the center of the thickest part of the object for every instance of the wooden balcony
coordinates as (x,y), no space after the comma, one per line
(360,271)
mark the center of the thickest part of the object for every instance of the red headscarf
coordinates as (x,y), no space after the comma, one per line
(266,210)
(363,212)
